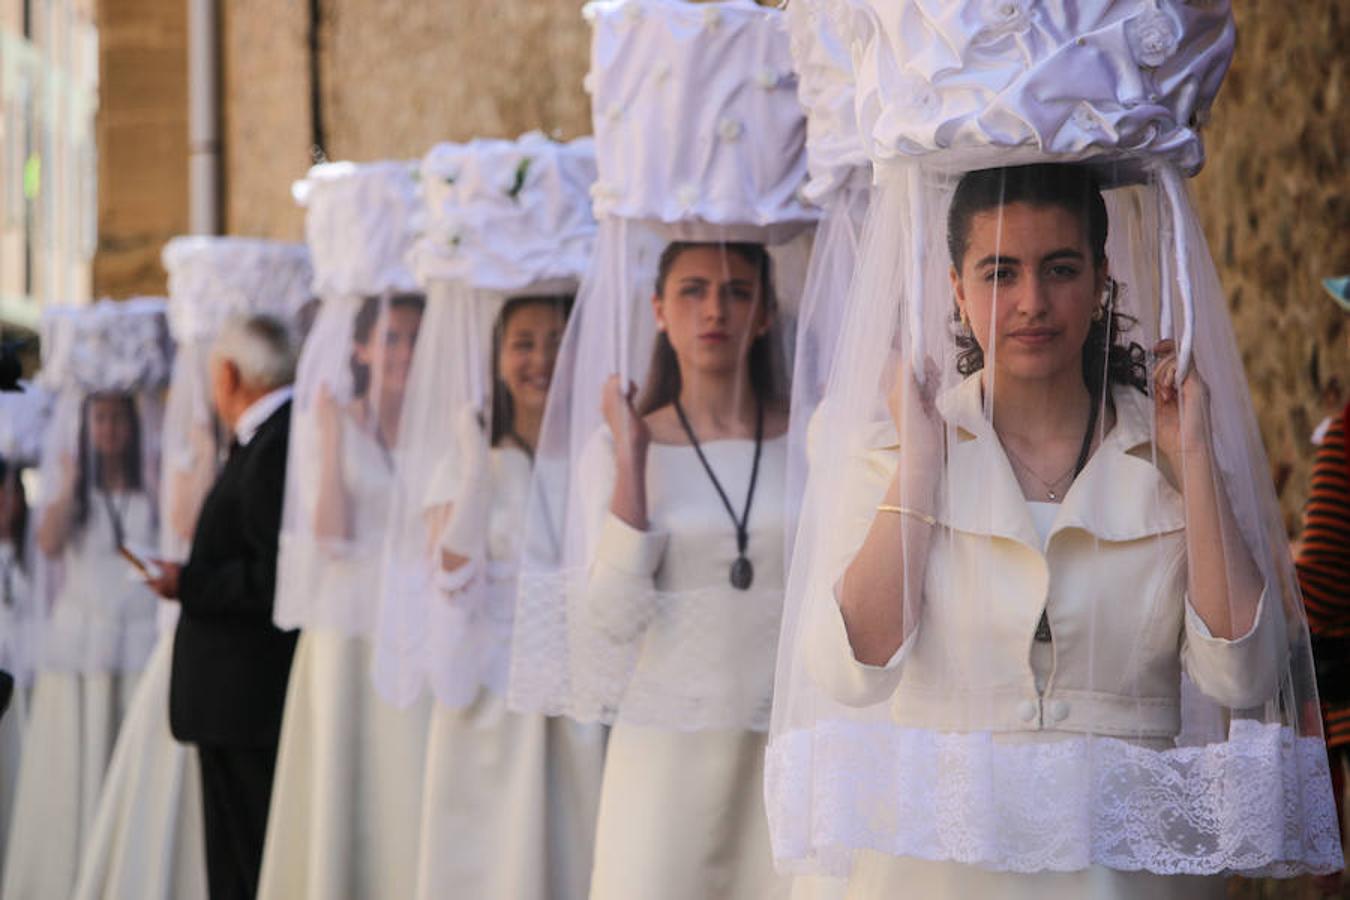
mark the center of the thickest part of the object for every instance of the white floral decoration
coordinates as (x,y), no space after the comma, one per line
(613,113)
(109,346)
(729,129)
(1085,118)
(1153,36)
(1003,17)
(686,195)
(767,78)
(916,93)
(712,18)
(661,72)
(633,13)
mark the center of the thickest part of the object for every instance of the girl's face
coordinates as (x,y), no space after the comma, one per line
(529,348)
(388,354)
(712,308)
(109,426)
(1028,287)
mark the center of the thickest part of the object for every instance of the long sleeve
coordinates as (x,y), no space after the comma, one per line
(1324,556)
(621,591)
(1243,672)
(243,586)
(829,653)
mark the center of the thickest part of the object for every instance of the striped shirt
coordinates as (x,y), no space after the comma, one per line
(1324,556)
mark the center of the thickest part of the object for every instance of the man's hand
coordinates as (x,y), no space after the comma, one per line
(166,585)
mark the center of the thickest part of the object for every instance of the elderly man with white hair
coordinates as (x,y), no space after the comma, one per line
(230,663)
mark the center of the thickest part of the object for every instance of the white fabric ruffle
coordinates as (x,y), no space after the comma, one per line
(825,87)
(213,278)
(987,82)
(360,222)
(695,116)
(507,215)
(108,346)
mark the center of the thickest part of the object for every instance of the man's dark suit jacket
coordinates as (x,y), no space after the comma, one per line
(230,663)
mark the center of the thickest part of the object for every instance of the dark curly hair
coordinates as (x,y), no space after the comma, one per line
(1073,188)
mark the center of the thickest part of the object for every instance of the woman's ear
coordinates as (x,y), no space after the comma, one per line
(958,290)
(657,312)
(767,317)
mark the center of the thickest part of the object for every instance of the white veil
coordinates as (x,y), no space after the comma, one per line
(210,280)
(722,173)
(349,391)
(107,365)
(505,220)
(982,666)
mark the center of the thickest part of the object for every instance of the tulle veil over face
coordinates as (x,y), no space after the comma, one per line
(1040,613)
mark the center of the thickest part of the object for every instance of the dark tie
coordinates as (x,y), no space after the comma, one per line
(235,447)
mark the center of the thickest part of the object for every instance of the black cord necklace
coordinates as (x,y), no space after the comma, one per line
(115,518)
(742,571)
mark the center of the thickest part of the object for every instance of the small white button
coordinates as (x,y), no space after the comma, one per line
(1059,710)
(1026,711)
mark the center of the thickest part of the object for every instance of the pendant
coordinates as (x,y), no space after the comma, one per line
(1052,495)
(742,574)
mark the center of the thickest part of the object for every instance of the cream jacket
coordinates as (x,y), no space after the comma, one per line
(1111,577)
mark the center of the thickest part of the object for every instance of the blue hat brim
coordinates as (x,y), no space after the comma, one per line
(1339,289)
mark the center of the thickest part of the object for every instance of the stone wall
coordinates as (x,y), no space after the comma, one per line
(142,141)
(1275,202)
(266,108)
(396,77)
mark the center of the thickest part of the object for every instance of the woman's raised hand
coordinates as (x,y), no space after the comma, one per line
(631,434)
(1182,414)
(918,424)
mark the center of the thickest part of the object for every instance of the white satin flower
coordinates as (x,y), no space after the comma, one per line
(1003,17)
(686,195)
(712,18)
(729,129)
(766,78)
(1153,37)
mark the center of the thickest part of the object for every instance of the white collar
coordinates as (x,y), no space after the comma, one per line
(258,412)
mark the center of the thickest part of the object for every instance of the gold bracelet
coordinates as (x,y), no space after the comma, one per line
(923,517)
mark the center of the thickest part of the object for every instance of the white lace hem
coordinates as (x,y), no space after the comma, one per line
(1259,803)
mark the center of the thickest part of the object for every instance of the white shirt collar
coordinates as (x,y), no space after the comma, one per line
(258,412)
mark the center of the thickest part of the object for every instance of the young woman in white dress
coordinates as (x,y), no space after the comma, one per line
(695,513)
(509,805)
(1092,465)
(16,620)
(349,765)
(95,640)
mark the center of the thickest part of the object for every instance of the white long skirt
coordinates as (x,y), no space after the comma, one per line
(71,731)
(346,797)
(510,804)
(148,837)
(682,818)
(12,726)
